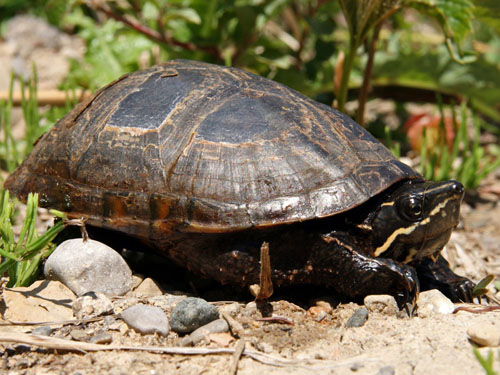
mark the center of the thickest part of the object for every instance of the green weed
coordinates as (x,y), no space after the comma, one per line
(474,163)
(486,363)
(21,258)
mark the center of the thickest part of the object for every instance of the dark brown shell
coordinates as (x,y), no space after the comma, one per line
(200,147)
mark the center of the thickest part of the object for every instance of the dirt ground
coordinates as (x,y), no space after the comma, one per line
(384,345)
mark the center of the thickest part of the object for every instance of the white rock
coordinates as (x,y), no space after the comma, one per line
(433,302)
(92,305)
(485,334)
(381,303)
(89,266)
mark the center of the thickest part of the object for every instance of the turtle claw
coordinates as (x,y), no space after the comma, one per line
(461,290)
(406,286)
(438,275)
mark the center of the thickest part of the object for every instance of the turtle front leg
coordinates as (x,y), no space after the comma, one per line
(357,275)
(439,276)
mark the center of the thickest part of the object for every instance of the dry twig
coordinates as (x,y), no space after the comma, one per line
(80,346)
(238,351)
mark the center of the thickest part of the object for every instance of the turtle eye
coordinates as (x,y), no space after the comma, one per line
(410,208)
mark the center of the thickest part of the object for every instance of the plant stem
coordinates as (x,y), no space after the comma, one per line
(155,35)
(365,88)
(346,72)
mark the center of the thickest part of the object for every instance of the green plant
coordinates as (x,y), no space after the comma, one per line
(13,151)
(486,363)
(21,258)
(365,19)
(8,146)
(474,162)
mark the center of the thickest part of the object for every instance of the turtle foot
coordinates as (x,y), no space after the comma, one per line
(405,286)
(439,276)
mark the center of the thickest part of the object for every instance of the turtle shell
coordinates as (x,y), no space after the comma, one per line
(197,147)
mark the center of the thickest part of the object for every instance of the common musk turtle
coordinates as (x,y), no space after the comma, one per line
(205,162)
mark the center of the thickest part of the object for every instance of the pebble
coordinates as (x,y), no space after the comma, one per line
(42,331)
(192,313)
(317,313)
(91,305)
(165,302)
(386,370)
(89,266)
(263,346)
(381,303)
(147,288)
(359,318)
(146,319)
(101,338)
(433,301)
(485,334)
(199,334)
(79,335)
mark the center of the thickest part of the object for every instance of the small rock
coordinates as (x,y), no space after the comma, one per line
(386,370)
(89,266)
(263,346)
(42,331)
(148,288)
(317,313)
(79,335)
(101,338)
(165,302)
(358,318)
(146,319)
(231,308)
(137,280)
(433,301)
(92,305)
(192,313)
(325,305)
(356,366)
(44,300)
(216,326)
(221,338)
(381,303)
(485,334)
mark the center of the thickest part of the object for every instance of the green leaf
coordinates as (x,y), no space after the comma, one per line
(186,14)
(481,288)
(454,17)
(487,11)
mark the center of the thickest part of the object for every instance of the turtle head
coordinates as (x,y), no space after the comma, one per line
(416,220)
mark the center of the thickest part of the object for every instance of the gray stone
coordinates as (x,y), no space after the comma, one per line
(79,335)
(192,313)
(215,326)
(433,302)
(146,319)
(485,334)
(101,338)
(42,331)
(89,266)
(358,318)
(386,370)
(381,303)
(92,305)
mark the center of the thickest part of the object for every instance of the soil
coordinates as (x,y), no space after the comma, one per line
(314,342)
